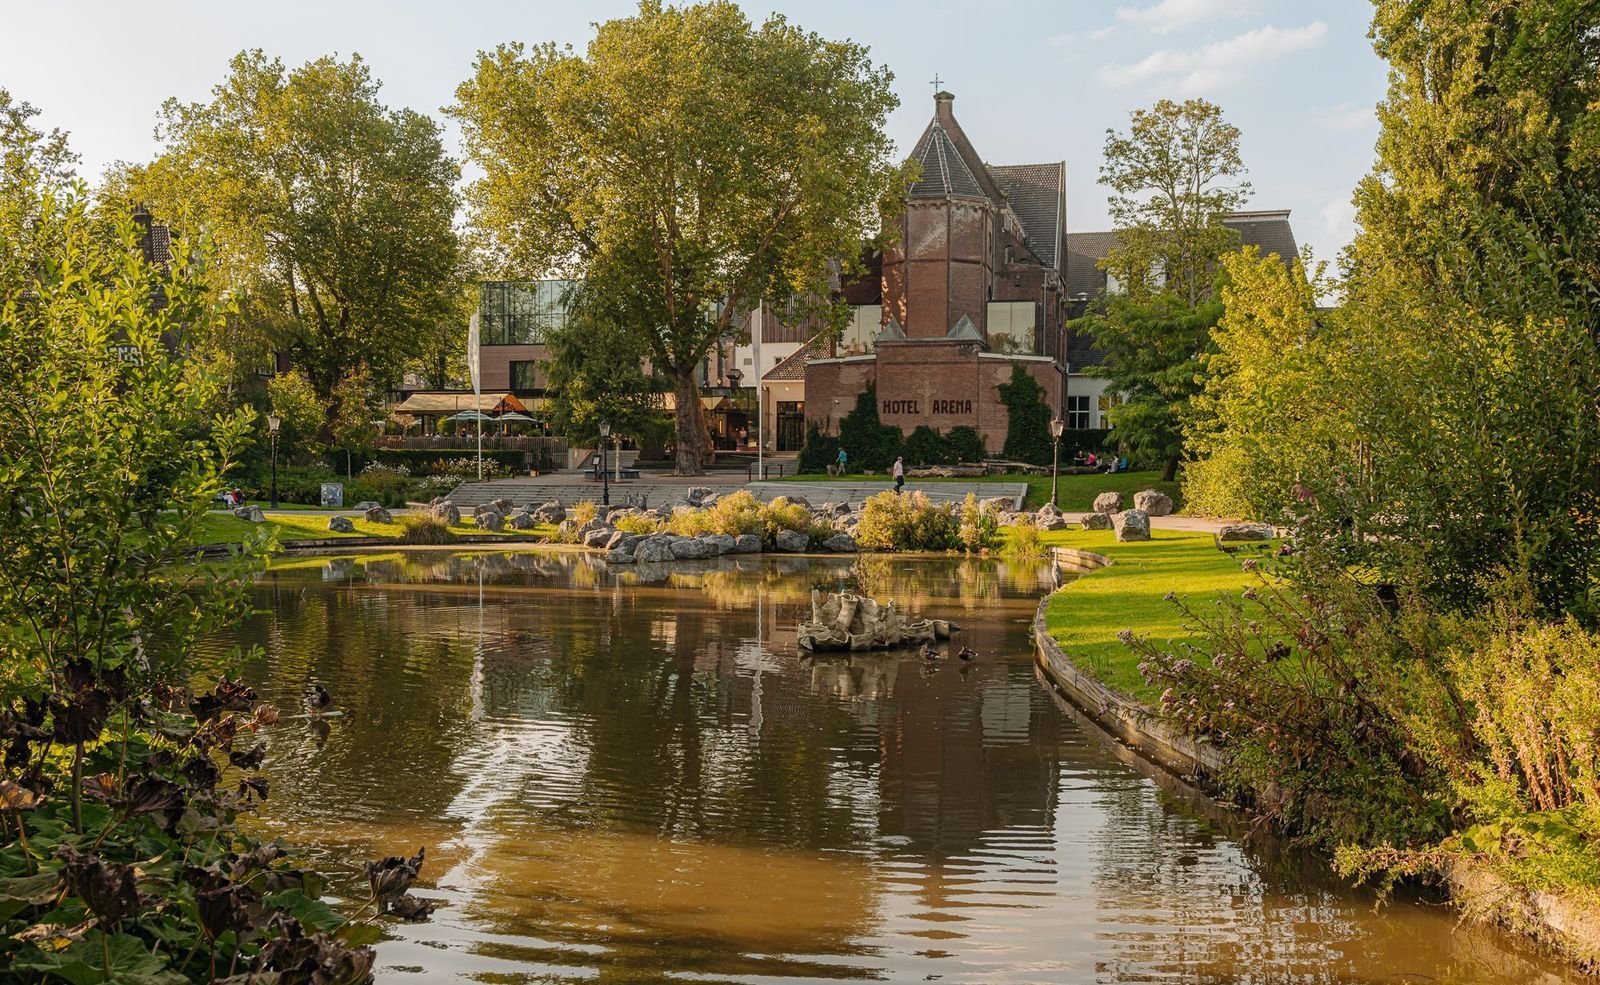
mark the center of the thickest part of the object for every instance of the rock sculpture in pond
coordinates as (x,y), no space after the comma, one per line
(846,621)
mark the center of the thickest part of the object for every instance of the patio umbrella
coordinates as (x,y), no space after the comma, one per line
(470,415)
(510,417)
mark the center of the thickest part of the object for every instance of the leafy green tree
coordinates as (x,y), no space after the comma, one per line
(292,397)
(330,213)
(1176,175)
(597,372)
(357,416)
(686,164)
(28,154)
(1027,419)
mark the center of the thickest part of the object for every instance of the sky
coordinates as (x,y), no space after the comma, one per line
(1034,80)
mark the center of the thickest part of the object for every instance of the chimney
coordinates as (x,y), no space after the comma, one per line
(941,105)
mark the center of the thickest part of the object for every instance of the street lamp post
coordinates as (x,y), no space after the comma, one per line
(1056,427)
(274,422)
(605,476)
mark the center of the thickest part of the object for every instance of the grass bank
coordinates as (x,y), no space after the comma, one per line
(1086,617)
(1077,492)
(222,528)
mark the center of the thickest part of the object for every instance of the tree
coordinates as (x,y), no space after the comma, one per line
(330,212)
(29,155)
(1176,175)
(1027,419)
(597,373)
(291,396)
(357,417)
(686,164)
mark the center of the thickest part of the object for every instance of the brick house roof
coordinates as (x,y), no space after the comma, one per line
(1036,192)
(793,367)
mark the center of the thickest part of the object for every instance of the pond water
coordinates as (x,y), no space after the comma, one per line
(632,776)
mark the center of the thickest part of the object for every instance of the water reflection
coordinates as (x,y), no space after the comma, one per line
(630,775)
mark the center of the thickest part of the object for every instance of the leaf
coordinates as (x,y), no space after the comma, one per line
(360,934)
(16,894)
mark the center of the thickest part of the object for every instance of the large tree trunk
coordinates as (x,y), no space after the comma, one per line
(693,444)
(1171,471)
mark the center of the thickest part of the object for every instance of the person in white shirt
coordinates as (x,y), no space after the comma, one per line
(899,474)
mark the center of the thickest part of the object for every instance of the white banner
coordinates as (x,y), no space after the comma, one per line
(472,353)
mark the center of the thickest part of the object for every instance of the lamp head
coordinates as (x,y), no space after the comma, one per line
(605,429)
(274,422)
(1056,427)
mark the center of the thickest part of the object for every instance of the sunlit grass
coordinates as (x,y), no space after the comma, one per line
(1077,492)
(222,528)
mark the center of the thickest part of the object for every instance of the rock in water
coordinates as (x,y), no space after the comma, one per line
(1153,502)
(1132,525)
(747,544)
(1108,502)
(846,621)
(793,541)
(841,544)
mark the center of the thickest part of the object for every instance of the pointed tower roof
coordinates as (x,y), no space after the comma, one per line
(950,167)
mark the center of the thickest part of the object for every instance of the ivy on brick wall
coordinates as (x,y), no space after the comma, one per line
(1028,425)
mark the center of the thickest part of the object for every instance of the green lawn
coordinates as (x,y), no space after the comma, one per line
(220,528)
(1077,491)
(1086,616)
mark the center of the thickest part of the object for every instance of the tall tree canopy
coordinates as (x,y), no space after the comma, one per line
(598,372)
(330,214)
(686,164)
(1176,174)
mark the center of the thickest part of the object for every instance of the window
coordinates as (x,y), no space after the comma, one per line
(1078,413)
(861,334)
(525,377)
(1011,327)
(1106,402)
(518,312)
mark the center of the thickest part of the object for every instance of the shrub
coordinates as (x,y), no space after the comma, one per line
(638,523)
(741,513)
(1024,542)
(781,514)
(871,444)
(423,528)
(584,512)
(965,444)
(820,451)
(907,522)
(1028,419)
(980,528)
(926,447)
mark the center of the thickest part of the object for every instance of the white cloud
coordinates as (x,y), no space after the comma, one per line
(1169,15)
(1339,219)
(1102,33)
(1190,71)
(1350,118)
(1060,40)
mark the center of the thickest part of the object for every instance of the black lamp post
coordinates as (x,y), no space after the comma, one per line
(274,422)
(1056,427)
(605,474)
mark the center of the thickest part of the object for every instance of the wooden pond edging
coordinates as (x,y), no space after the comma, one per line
(1559,922)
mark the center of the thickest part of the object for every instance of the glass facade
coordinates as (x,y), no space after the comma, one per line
(1011,327)
(525,377)
(519,312)
(861,333)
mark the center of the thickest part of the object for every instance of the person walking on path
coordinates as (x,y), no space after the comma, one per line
(839,464)
(899,474)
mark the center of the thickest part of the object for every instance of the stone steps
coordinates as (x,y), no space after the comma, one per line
(817,493)
(522,492)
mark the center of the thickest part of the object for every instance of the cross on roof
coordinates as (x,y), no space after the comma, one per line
(936,82)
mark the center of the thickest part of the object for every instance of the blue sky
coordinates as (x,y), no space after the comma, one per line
(1033,80)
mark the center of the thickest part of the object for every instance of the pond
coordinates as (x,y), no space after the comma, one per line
(632,776)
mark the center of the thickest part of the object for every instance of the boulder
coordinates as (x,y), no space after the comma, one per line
(483,508)
(551,512)
(709,501)
(798,501)
(723,543)
(1131,525)
(1049,521)
(620,557)
(503,505)
(377,514)
(492,521)
(591,526)
(793,541)
(747,544)
(997,504)
(1246,531)
(445,512)
(841,544)
(1108,502)
(1153,502)
(341,525)
(695,495)
(653,549)
(597,536)
(520,520)
(366,504)
(1049,509)
(616,541)
(251,513)
(692,549)
(1097,521)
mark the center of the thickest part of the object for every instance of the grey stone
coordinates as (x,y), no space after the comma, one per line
(520,520)
(695,495)
(491,521)
(251,513)
(1049,521)
(692,549)
(592,526)
(620,557)
(1153,502)
(793,541)
(377,514)
(723,543)
(446,513)
(1097,521)
(997,504)
(551,512)
(597,536)
(366,504)
(503,505)
(653,549)
(1108,502)
(841,544)
(615,541)
(1246,531)
(747,544)
(1049,509)
(799,501)
(341,525)
(483,508)
(1131,525)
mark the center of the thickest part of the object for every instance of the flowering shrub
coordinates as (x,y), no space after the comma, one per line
(907,522)
(980,528)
